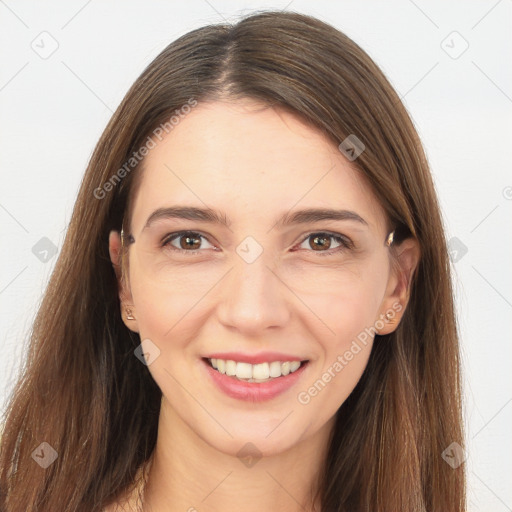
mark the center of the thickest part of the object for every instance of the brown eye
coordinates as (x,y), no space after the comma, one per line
(323,242)
(320,242)
(188,241)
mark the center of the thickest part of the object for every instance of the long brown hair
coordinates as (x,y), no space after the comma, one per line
(84,393)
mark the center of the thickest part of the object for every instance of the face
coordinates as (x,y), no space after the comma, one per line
(267,286)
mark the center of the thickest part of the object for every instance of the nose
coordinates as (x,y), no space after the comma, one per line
(253,299)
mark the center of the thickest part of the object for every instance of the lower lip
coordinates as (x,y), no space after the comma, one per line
(254,391)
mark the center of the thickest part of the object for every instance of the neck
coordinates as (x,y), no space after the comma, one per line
(188,474)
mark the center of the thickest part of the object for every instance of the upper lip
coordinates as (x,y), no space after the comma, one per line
(261,357)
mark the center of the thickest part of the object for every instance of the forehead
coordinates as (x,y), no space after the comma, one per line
(250,161)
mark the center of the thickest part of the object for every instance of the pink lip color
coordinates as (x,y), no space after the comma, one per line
(253,391)
(262,357)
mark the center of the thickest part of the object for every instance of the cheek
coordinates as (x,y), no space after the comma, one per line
(350,313)
(345,300)
(166,307)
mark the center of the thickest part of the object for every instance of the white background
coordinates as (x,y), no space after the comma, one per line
(54,109)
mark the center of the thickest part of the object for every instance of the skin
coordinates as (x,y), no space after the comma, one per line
(254,164)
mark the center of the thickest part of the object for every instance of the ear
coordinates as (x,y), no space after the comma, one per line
(128,312)
(407,256)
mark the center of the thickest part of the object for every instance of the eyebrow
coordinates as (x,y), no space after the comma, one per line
(208,215)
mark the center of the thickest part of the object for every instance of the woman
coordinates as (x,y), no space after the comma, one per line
(253,305)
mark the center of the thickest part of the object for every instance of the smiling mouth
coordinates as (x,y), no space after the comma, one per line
(257,373)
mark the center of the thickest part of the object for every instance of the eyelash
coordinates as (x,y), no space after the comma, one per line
(345,242)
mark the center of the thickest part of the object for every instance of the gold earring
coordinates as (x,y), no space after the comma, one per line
(129,314)
(390,238)
(129,237)
(389,318)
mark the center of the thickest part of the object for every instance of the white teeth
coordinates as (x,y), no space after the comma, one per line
(294,365)
(275,369)
(261,372)
(244,370)
(230,368)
